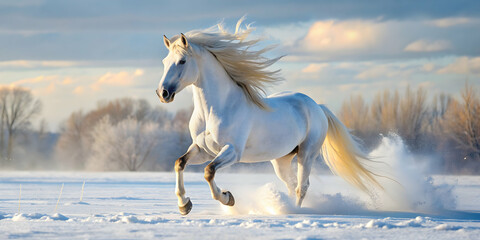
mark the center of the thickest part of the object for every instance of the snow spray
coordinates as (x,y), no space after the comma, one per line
(409,191)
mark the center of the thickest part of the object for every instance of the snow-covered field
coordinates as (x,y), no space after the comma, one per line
(143,206)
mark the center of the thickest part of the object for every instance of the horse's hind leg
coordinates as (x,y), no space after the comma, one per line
(194,155)
(283,169)
(305,161)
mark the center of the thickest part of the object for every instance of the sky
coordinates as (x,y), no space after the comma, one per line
(72,54)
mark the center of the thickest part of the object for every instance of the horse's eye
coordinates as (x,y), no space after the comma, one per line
(181,62)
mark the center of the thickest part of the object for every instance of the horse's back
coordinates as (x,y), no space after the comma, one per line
(298,100)
(307,109)
(278,131)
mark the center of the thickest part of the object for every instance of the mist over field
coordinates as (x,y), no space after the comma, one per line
(132,135)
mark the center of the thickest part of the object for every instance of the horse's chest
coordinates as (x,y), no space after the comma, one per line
(212,132)
(206,136)
(206,141)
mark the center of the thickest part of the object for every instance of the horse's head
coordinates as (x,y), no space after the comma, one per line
(180,68)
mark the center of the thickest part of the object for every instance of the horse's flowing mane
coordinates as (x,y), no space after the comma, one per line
(246,67)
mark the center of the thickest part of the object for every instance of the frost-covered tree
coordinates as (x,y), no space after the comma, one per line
(126,145)
(462,123)
(84,136)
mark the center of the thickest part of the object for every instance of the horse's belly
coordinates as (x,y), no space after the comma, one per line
(261,155)
(276,134)
(266,147)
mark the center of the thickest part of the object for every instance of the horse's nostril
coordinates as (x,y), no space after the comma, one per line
(164,93)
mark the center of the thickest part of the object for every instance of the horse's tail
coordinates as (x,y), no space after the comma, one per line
(342,154)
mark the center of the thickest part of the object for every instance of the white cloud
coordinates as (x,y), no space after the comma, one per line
(37,64)
(371,40)
(43,84)
(462,65)
(427,46)
(288,33)
(122,78)
(428,67)
(387,72)
(341,35)
(49,89)
(448,22)
(67,81)
(79,90)
(374,72)
(34,80)
(63,92)
(314,67)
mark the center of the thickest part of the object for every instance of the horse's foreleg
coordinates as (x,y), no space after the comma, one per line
(193,155)
(226,157)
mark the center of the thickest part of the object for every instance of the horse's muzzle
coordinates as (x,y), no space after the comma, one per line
(165,96)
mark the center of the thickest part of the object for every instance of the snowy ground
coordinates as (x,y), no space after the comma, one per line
(143,206)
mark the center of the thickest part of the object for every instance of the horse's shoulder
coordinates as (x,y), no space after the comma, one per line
(197,123)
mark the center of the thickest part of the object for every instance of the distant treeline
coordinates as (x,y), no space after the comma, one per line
(445,128)
(123,134)
(118,135)
(130,135)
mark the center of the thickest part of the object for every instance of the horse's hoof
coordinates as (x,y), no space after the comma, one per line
(231,200)
(185,209)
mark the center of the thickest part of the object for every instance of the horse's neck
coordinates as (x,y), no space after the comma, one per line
(214,90)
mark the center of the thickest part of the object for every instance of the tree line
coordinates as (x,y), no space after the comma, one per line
(443,127)
(118,135)
(123,134)
(130,135)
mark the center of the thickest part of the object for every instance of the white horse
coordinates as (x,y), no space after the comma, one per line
(232,122)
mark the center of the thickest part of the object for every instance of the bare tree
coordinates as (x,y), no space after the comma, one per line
(355,115)
(462,123)
(18,108)
(384,110)
(411,117)
(73,142)
(441,103)
(3,98)
(447,128)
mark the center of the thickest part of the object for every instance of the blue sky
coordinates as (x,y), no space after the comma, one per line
(74,53)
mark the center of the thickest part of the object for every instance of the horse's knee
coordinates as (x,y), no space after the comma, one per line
(209,172)
(180,163)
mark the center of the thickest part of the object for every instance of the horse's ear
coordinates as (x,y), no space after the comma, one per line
(184,40)
(166,41)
